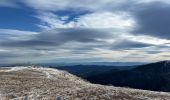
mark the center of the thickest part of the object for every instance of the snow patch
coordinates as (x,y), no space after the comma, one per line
(11,69)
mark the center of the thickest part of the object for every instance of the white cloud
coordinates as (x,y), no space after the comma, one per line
(11,34)
(52,21)
(146,39)
(93,20)
(105,20)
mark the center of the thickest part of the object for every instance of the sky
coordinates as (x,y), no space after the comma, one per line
(43,31)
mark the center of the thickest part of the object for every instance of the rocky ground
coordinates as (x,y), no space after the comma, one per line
(36,83)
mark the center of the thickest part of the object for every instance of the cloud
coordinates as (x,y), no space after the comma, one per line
(129,44)
(153,19)
(12,34)
(52,21)
(90,5)
(61,36)
(92,20)
(146,17)
(116,30)
(56,5)
(75,43)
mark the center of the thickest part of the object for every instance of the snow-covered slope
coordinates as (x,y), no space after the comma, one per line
(30,83)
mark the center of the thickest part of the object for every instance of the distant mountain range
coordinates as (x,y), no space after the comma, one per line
(94,63)
(61,64)
(90,70)
(154,76)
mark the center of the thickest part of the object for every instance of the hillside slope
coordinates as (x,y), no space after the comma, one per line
(154,76)
(29,83)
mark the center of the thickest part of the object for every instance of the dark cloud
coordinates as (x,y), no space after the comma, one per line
(59,37)
(129,44)
(84,35)
(8,55)
(153,52)
(87,39)
(27,43)
(152,19)
(18,54)
(94,38)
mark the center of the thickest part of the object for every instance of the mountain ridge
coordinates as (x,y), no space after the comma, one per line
(153,76)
